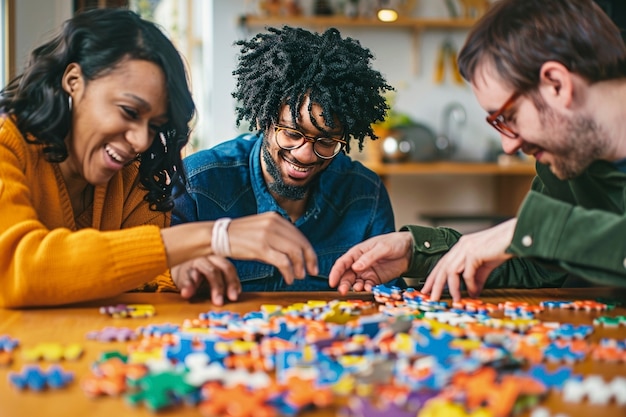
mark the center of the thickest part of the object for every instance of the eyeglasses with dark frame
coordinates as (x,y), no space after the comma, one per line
(288,138)
(498,121)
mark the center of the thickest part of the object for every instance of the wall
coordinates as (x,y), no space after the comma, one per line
(35,21)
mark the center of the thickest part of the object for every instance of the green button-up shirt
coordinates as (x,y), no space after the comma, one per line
(564,227)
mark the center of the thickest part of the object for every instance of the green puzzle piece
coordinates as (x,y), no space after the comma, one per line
(160,390)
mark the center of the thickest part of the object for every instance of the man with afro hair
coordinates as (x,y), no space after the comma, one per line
(310,97)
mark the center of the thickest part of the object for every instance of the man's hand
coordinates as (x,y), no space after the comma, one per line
(218,272)
(473,258)
(270,238)
(374,261)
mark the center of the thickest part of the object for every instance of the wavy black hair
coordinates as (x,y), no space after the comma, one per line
(98,40)
(284,66)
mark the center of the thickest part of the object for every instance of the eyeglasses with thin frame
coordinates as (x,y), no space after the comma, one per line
(498,121)
(288,138)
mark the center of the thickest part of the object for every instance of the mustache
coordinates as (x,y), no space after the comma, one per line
(287,156)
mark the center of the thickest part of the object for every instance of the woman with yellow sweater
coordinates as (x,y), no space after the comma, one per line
(91,135)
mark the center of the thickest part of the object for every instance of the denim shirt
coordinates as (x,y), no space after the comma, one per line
(347,204)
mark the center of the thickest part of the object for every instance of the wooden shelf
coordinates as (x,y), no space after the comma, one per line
(415,24)
(451,168)
(330,21)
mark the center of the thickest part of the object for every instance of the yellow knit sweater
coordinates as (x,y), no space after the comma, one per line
(45,260)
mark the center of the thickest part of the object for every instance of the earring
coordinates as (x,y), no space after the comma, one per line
(69,103)
(163,141)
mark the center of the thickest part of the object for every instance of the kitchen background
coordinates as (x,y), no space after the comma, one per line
(447,123)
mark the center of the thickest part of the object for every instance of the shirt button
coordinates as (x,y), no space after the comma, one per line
(527,241)
(427,246)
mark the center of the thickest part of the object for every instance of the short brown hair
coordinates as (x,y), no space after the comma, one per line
(519,36)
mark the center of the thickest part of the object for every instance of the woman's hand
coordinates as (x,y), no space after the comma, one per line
(266,237)
(218,272)
(270,238)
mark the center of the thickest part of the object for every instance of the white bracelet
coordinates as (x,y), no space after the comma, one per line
(219,240)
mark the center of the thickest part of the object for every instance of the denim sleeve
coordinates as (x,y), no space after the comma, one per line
(185,209)
(586,243)
(383,218)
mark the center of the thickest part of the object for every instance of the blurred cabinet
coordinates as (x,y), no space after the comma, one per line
(512,181)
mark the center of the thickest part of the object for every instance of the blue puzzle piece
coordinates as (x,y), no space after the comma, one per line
(223,317)
(554,380)
(555,304)
(370,325)
(7,344)
(570,331)
(284,331)
(556,353)
(330,371)
(159,330)
(31,377)
(57,378)
(286,359)
(188,344)
(439,347)
(36,379)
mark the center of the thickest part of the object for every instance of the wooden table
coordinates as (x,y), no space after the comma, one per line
(70,325)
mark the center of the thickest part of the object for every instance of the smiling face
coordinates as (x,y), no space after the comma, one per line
(565,140)
(114,118)
(290,174)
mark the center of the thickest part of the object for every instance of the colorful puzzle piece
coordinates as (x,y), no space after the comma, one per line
(7,344)
(595,390)
(112,334)
(52,352)
(129,310)
(236,401)
(109,377)
(36,379)
(160,390)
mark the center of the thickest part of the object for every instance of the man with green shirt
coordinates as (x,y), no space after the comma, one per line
(552,78)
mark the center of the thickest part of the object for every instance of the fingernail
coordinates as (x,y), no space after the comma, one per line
(233,294)
(218,299)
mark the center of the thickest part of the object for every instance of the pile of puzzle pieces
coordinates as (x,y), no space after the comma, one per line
(402,355)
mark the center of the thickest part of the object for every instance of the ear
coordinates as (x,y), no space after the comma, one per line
(556,84)
(72,81)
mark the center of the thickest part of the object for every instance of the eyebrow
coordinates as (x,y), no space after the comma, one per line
(323,133)
(141,102)
(144,104)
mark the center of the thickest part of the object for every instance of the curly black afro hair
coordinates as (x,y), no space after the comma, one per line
(286,65)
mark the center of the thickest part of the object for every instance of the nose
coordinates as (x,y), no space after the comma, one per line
(305,153)
(511,145)
(139,138)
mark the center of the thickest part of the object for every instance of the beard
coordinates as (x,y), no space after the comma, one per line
(278,186)
(577,142)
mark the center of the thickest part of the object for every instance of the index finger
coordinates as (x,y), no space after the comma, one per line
(301,256)
(341,270)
